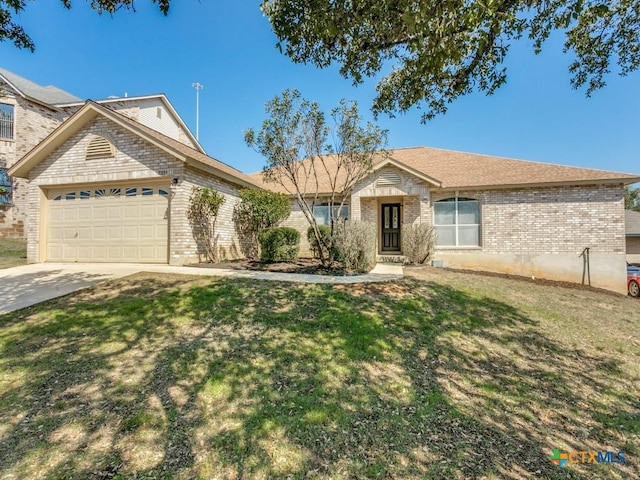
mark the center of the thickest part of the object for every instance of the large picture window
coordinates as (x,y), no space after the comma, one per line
(6,188)
(457,222)
(6,121)
(322,213)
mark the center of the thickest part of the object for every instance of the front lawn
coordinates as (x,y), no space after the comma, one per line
(444,375)
(13,252)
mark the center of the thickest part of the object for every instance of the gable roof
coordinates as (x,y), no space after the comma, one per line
(91,110)
(450,169)
(632,223)
(160,96)
(48,95)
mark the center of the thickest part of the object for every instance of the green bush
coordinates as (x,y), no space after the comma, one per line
(355,245)
(257,210)
(418,243)
(279,244)
(325,234)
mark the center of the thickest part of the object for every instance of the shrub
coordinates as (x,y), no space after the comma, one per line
(355,244)
(257,210)
(325,233)
(202,213)
(418,242)
(279,244)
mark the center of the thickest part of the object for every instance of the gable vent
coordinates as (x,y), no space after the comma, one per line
(99,147)
(388,177)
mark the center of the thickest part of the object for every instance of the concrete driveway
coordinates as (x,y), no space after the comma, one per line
(27,285)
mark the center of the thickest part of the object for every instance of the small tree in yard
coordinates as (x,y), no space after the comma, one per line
(312,160)
(418,242)
(256,211)
(202,213)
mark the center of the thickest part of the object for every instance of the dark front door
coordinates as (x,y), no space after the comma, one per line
(391,227)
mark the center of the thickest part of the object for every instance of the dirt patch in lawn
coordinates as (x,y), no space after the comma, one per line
(415,271)
(309,266)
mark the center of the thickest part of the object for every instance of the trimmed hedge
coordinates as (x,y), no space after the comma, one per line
(279,244)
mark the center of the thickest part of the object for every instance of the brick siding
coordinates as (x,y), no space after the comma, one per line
(135,159)
(550,220)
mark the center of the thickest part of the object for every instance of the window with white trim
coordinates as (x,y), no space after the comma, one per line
(457,222)
(322,214)
(6,121)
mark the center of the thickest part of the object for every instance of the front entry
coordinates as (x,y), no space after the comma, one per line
(391,223)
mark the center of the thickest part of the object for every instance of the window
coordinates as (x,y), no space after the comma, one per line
(457,222)
(323,217)
(6,121)
(6,188)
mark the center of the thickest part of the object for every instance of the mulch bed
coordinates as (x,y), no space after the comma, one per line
(310,266)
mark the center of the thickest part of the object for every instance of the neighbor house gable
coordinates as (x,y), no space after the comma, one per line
(155,111)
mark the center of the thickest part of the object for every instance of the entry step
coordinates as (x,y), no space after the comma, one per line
(401,259)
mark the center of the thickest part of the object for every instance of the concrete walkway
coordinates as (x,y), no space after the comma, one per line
(27,285)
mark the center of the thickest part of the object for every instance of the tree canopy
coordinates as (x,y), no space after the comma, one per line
(11,31)
(632,198)
(440,50)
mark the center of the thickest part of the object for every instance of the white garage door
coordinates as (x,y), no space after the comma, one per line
(108,223)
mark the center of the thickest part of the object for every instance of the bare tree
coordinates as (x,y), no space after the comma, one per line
(313,161)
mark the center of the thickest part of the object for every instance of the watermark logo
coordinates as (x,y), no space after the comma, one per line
(562,458)
(559,458)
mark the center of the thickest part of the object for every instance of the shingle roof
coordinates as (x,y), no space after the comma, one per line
(632,223)
(451,169)
(49,95)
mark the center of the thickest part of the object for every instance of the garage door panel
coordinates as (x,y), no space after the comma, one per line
(69,214)
(108,226)
(114,212)
(99,212)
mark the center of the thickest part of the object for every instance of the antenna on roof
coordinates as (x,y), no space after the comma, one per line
(198,87)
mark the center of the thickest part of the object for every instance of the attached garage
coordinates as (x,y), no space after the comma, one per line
(108,223)
(105,188)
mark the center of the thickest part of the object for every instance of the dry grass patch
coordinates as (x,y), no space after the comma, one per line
(441,376)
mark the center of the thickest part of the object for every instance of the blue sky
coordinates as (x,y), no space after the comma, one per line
(229,48)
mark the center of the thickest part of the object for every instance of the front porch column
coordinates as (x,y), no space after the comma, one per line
(356,211)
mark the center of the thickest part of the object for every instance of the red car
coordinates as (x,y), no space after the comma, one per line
(633,280)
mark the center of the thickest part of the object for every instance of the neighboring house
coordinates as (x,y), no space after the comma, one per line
(105,188)
(632,233)
(496,214)
(29,112)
